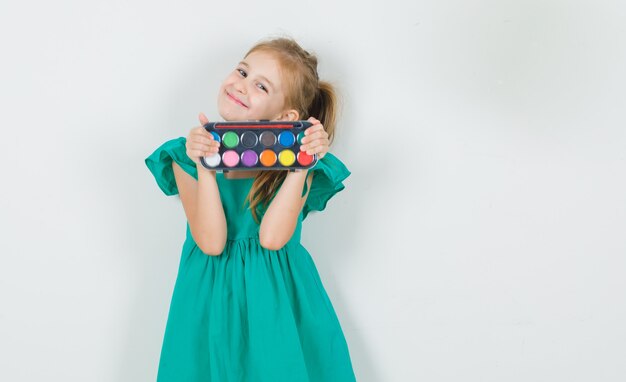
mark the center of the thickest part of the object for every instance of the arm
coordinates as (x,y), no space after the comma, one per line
(203,208)
(281,217)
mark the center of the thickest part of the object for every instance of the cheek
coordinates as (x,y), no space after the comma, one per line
(278,104)
(222,89)
(226,82)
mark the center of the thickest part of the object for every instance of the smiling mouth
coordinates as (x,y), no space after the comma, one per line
(236,100)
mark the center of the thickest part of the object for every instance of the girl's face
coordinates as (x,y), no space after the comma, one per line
(254,91)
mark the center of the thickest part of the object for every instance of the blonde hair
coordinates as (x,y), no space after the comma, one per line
(305,93)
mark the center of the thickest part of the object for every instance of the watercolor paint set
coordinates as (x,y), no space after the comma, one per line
(258,145)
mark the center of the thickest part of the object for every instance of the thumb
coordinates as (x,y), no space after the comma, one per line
(203,119)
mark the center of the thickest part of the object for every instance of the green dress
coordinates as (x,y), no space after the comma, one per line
(250,314)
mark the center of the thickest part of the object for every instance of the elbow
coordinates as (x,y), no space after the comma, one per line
(274,238)
(211,248)
(271,242)
(210,244)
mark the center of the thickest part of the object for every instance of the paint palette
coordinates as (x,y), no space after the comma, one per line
(259,145)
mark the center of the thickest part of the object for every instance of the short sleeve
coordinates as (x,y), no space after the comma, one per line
(328,176)
(160,164)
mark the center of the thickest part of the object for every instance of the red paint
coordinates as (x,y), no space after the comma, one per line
(304,159)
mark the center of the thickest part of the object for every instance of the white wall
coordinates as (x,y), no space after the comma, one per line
(488,245)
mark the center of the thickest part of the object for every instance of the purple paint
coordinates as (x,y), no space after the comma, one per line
(249,158)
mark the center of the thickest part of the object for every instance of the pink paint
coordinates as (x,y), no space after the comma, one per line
(230,158)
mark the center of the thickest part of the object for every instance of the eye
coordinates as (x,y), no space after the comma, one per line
(262,87)
(242,72)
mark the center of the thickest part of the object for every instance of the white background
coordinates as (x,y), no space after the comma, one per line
(481,236)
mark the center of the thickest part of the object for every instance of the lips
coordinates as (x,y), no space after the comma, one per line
(236,100)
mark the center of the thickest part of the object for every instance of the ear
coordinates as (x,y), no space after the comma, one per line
(288,115)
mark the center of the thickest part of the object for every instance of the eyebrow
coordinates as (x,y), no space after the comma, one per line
(262,77)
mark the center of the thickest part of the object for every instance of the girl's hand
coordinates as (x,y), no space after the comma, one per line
(200,143)
(315,139)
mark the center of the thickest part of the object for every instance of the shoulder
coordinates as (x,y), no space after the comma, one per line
(160,163)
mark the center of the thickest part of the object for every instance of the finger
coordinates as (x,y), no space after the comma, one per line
(317,150)
(203,147)
(199,153)
(314,122)
(317,143)
(197,132)
(206,139)
(313,129)
(195,150)
(316,125)
(317,135)
(317,146)
(201,131)
(200,141)
(203,119)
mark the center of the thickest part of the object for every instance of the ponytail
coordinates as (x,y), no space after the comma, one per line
(303,92)
(325,107)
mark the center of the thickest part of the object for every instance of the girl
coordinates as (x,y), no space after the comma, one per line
(248,303)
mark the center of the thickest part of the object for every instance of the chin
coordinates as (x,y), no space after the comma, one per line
(226,112)
(229,115)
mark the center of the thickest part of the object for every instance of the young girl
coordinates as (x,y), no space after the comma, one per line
(248,304)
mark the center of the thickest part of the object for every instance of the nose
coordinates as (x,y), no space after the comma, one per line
(240,85)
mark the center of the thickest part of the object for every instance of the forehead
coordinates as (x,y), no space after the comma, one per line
(263,64)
